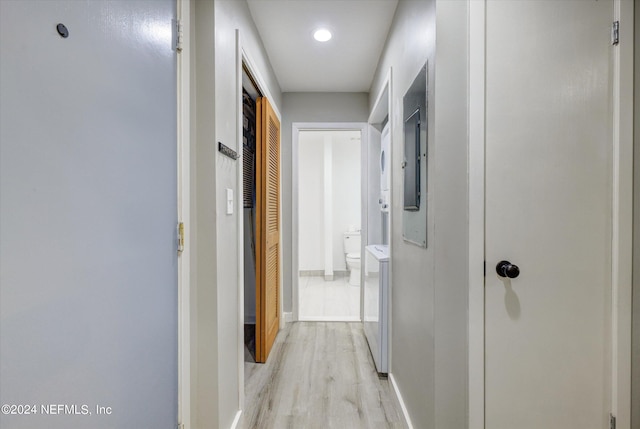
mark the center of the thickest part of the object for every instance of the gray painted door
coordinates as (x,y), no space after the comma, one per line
(548,210)
(88,274)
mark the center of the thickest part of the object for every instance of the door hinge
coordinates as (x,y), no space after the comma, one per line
(612,421)
(615,33)
(180,237)
(177,40)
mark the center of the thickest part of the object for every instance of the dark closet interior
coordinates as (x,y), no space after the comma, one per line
(250,93)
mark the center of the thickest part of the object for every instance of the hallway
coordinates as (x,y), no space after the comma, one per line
(147,222)
(319,375)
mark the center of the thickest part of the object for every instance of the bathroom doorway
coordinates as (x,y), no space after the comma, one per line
(329,224)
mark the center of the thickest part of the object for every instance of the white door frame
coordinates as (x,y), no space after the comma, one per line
(622,237)
(621,213)
(183,8)
(296,127)
(476,105)
(243,57)
(382,105)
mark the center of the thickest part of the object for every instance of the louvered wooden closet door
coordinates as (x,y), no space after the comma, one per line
(268,229)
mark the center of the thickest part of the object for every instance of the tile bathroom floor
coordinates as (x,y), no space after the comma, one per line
(322,300)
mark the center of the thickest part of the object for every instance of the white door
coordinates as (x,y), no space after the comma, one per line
(88,264)
(548,211)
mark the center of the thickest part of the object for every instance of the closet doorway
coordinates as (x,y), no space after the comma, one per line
(261,221)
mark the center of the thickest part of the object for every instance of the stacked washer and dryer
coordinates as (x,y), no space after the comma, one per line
(376,266)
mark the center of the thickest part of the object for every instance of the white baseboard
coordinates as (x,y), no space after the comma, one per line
(330,319)
(320,273)
(288,317)
(310,273)
(396,390)
(234,425)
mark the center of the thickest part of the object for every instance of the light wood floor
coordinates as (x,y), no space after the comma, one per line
(319,375)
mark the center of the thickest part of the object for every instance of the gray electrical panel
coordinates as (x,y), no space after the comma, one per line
(414,162)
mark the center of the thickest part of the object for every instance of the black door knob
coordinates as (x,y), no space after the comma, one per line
(507,269)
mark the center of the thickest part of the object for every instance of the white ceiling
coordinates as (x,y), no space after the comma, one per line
(346,63)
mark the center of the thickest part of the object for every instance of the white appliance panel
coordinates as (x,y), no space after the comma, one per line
(376,304)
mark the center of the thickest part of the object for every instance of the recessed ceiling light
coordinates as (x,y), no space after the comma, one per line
(322,35)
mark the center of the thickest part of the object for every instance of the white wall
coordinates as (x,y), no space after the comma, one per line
(410,43)
(374,213)
(346,191)
(429,286)
(308,107)
(451,199)
(215,264)
(345,195)
(311,201)
(204,344)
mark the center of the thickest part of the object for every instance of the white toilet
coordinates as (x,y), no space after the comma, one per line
(352,254)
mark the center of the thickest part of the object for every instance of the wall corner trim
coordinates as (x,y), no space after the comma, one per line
(396,391)
(236,420)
